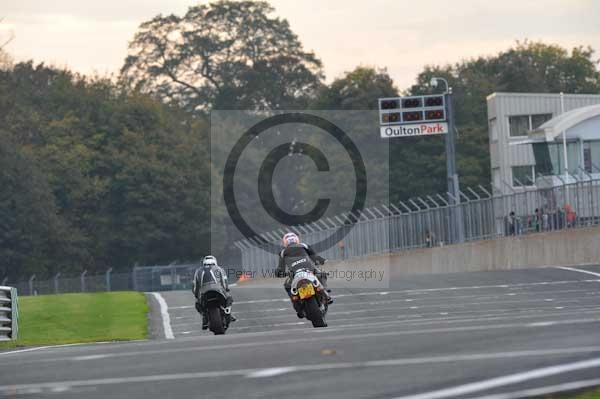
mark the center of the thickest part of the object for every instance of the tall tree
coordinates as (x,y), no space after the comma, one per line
(34,239)
(126,175)
(358,89)
(223,55)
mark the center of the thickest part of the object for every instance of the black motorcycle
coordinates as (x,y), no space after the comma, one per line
(214,299)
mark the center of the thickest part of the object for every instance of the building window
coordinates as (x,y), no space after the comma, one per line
(591,156)
(539,119)
(523,176)
(549,157)
(520,125)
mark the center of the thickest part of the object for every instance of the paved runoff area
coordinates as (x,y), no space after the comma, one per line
(498,335)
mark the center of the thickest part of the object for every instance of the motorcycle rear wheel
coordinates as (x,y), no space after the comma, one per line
(215,322)
(313,313)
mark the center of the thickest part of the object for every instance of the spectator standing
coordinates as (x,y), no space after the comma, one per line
(512,228)
(429,239)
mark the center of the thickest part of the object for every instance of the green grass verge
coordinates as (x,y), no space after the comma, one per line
(71,318)
(593,394)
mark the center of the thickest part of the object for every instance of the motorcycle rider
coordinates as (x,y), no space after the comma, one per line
(210,272)
(297,255)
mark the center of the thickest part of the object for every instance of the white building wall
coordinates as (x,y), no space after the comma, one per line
(501,106)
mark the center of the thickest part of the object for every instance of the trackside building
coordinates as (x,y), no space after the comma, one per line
(525,135)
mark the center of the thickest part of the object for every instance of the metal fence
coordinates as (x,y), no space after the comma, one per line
(9,314)
(419,222)
(84,282)
(140,278)
(164,278)
(441,220)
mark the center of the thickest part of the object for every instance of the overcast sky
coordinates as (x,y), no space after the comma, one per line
(92,36)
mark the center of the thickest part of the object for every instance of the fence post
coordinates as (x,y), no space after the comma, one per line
(108,278)
(4,280)
(134,277)
(83,280)
(56,282)
(172,277)
(31,284)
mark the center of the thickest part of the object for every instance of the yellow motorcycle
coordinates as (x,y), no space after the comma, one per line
(309,295)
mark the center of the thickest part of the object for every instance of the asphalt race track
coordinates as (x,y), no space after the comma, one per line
(481,334)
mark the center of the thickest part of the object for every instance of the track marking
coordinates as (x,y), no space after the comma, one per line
(506,380)
(527,393)
(270,371)
(474,314)
(578,270)
(90,357)
(37,348)
(24,350)
(419,291)
(459,317)
(320,338)
(164,313)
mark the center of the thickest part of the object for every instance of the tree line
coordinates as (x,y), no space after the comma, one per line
(99,172)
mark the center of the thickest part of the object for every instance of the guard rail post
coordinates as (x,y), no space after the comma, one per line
(9,314)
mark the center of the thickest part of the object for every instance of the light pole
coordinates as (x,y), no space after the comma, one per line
(452,176)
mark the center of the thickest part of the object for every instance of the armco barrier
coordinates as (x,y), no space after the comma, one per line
(9,314)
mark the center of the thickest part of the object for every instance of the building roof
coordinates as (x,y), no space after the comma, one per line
(552,95)
(555,126)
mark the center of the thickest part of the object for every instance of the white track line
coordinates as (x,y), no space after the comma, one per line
(578,270)
(270,371)
(360,336)
(164,313)
(23,350)
(419,291)
(506,380)
(529,393)
(37,348)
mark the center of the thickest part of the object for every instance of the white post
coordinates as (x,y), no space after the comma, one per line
(566,161)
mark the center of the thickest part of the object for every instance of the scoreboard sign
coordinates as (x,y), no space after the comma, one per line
(413,116)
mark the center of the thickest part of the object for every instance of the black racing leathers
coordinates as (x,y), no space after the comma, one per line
(210,275)
(299,256)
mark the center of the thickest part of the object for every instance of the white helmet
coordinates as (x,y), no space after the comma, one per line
(290,238)
(209,261)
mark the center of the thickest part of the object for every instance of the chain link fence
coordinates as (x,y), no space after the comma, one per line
(140,278)
(437,220)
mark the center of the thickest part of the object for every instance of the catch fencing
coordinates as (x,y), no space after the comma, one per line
(9,314)
(442,220)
